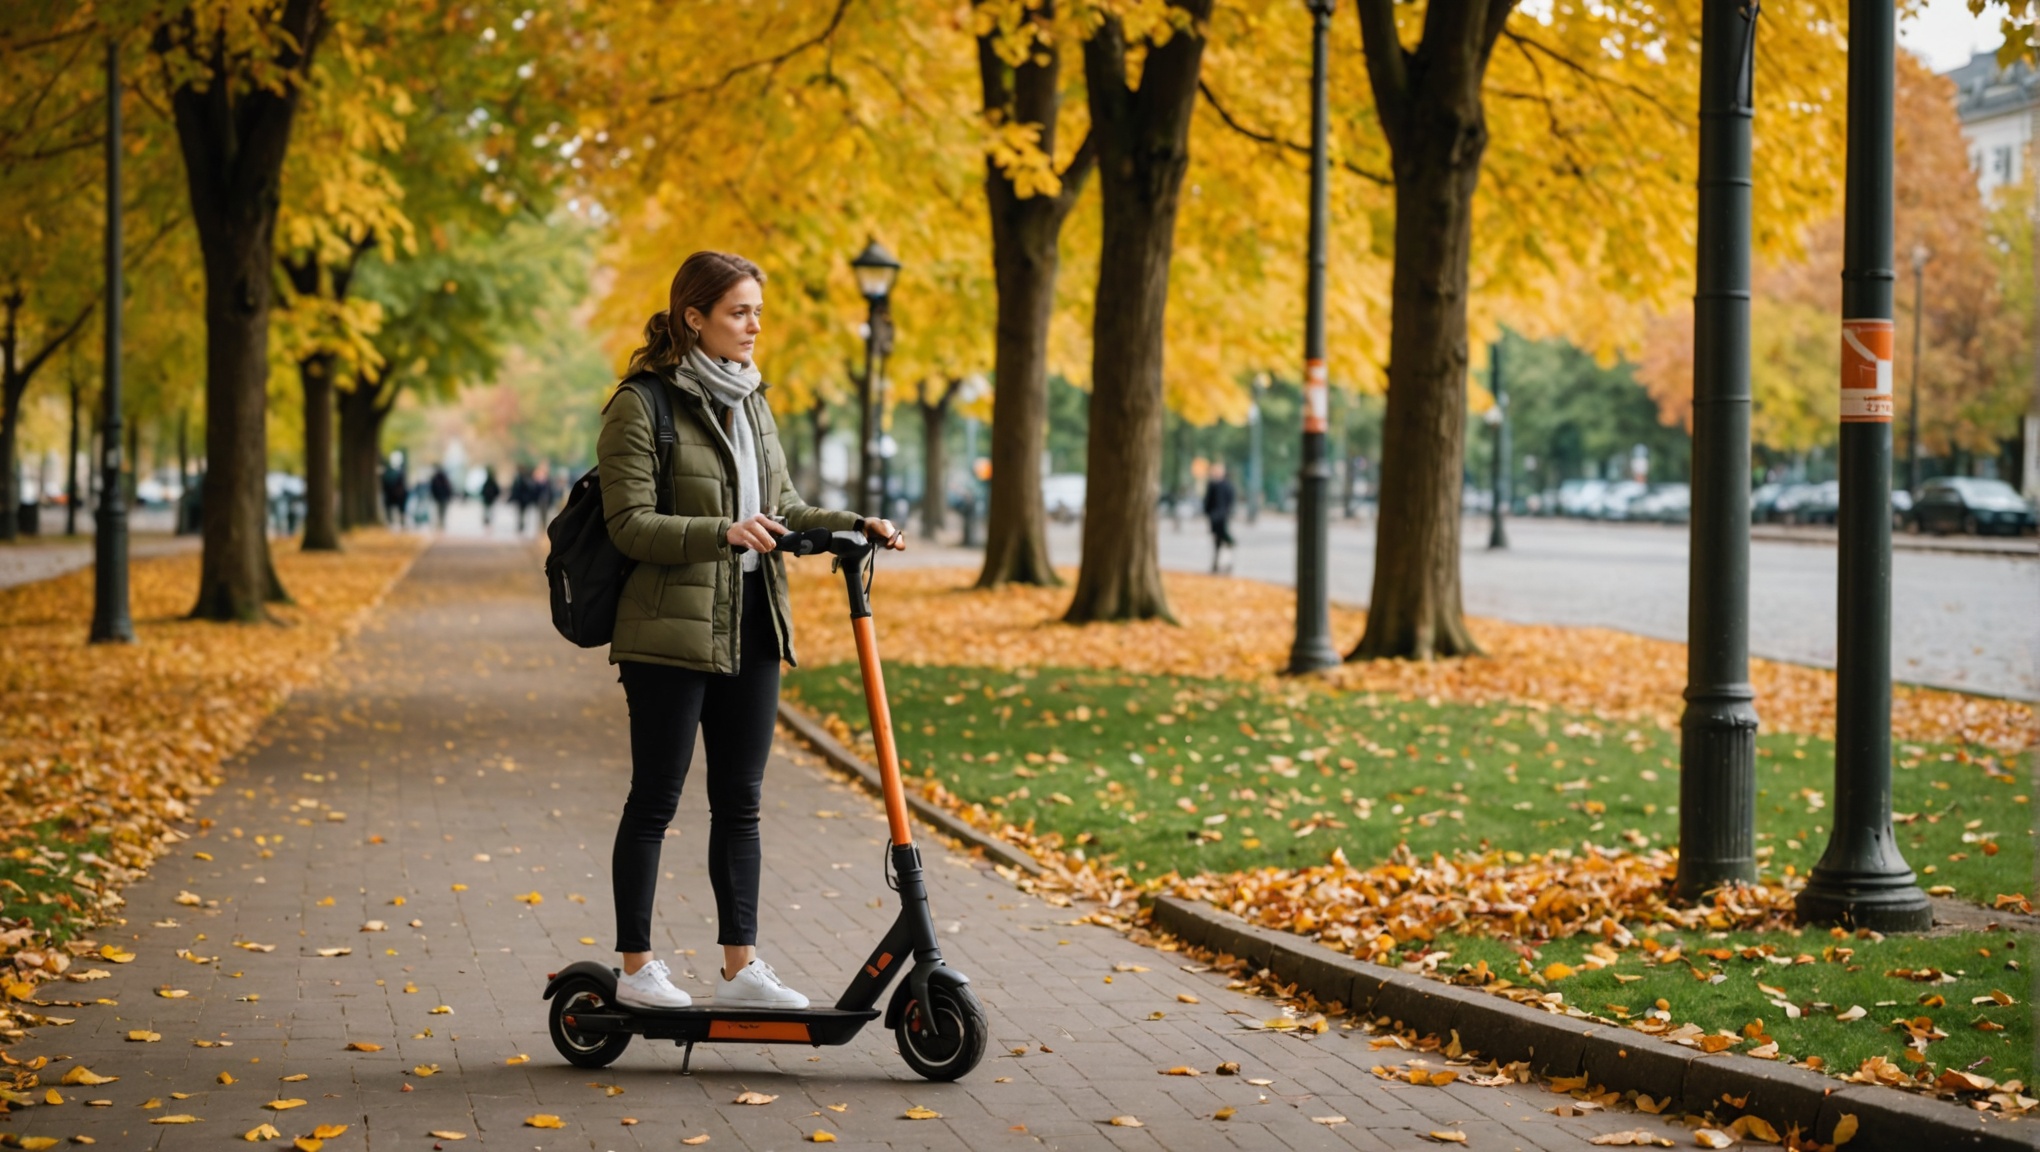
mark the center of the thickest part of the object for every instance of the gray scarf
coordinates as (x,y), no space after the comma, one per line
(730,383)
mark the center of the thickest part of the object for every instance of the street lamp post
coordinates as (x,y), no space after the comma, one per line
(1862,880)
(1498,417)
(1912,406)
(111,623)
(1313,647)
(876,269)
(1718,733)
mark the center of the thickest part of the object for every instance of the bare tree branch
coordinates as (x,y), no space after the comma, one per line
(1525,42)
(1233,123)
(768,62)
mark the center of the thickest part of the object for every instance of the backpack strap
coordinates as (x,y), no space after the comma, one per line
(652,392)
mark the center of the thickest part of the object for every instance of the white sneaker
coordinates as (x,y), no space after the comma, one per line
(757,986)
(650,987)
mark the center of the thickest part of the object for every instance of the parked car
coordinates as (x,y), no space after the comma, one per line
(1062,495)
(1763,499)
(1972,506)
(1575,497)
(1665,504)
(1805,504)
(1615,500)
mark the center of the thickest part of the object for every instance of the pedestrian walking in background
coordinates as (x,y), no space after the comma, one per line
(1219,498)
(704,620)
(520,495)
(395,492)
(491,492)
(442,494)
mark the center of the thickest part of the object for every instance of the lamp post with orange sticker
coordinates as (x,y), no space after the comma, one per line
(1313,647)
(1862,879)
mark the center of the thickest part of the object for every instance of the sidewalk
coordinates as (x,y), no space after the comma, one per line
(462,758)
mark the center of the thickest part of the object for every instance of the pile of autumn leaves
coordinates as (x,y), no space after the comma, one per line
(1397,906)
(118,740)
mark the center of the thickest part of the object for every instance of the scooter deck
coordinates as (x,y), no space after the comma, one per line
(816,1026)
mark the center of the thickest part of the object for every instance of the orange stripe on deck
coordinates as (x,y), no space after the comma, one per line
(766,1031)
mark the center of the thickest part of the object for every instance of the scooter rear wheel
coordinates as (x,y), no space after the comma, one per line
(961,1043)
(584,1049)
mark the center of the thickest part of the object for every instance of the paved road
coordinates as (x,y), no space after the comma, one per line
(470,746)
(1958,621)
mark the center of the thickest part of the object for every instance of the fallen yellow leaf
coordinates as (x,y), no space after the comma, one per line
(691,1141)
(1125,1122)
(821,1136)
(749,1097)
(179,1118)
(1845,1129)
(284,1105)
(446,1134)
(1225,1113)
(919,1113)
(1712,1138)
(144,1036)
(262,1131)
(80,1074)
(328,1131)
(544,1120)
(364,1046)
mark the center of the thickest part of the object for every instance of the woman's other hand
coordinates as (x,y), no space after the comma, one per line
(884,532)
(760,533)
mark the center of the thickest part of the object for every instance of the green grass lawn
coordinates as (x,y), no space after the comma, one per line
(36,873)
(1160,773)
(1728,994)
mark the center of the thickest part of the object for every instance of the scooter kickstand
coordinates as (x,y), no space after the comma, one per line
(687,1057)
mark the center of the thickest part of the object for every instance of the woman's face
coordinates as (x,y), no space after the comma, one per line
(730,330)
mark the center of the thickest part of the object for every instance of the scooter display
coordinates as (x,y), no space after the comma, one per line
(937,1020)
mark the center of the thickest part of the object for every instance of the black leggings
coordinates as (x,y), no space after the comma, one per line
(736,715)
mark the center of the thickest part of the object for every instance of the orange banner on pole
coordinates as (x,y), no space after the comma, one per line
(1866,371)
(1316,402)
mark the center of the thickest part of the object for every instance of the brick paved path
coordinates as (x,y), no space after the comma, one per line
(465,744)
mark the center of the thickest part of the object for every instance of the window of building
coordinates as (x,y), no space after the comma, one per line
(2001,166)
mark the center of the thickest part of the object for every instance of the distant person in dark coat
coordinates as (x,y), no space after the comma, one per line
(442,494)
(521,496)
(1219,498)
(395,492)
(491,492)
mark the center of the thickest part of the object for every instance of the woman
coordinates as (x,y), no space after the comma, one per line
(703,622)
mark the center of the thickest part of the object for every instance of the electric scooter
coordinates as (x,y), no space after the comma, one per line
(938,1021)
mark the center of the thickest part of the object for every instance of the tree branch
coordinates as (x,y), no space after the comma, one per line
(58,340)
(1526,43)
(1387,65)
(768,62)
(1233,123)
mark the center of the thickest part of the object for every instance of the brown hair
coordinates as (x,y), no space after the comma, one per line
(700,282)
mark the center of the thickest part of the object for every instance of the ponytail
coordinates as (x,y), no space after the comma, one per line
(660,350)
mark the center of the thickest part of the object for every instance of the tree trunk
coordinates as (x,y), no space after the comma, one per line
(234,142)
(1143,140)
(1025,231)
(1429,102)
(935,489)
(322,527)
(10,467)
(361,420)
(235,576)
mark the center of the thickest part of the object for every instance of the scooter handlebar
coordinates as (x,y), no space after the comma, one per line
(818,540)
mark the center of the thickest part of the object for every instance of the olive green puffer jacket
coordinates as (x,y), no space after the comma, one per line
(682,602)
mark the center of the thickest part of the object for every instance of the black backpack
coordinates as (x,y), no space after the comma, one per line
(584,568)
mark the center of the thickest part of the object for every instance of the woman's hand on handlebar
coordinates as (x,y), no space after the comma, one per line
(759,533)
(883,532)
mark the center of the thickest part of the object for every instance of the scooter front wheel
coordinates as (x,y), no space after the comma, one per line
(961,1044)
(584,1049)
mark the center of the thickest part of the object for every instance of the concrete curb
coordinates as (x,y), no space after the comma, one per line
(810,730)
(1621,1059)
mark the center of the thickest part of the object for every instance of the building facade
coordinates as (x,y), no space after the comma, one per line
(1998,106)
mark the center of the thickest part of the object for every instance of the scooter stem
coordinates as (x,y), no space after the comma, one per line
(881,729)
